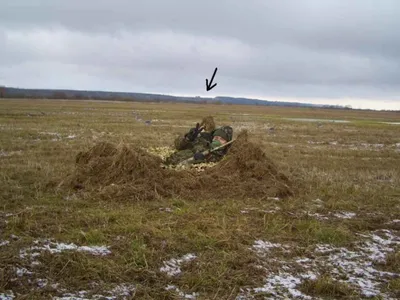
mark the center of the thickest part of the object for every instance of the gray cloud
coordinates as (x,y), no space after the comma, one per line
(281,49)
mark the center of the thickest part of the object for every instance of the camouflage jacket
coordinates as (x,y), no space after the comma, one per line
(194,142)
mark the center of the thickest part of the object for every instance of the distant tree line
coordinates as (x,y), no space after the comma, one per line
(10,92)
(16,93)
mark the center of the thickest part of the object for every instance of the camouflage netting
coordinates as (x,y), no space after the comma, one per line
(123,173)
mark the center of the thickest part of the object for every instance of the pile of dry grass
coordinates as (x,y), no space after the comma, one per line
(119,172)
(247,172)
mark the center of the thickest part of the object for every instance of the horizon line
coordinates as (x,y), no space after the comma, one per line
(254,98)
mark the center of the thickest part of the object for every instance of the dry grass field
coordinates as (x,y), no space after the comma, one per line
(337,236)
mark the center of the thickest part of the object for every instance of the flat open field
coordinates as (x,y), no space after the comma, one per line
(335,236)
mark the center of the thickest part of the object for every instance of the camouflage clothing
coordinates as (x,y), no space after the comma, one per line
(194,142)
(187,149)
(179,156)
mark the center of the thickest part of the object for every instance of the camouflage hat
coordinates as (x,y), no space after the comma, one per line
(221,133)
(226,132)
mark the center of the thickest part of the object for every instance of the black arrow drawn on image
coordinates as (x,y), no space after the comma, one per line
(210,86)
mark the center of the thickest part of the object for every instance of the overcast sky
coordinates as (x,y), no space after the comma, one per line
(317,51)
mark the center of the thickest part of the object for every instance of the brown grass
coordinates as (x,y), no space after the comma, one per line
(146,214)
(328,289)
(119,172)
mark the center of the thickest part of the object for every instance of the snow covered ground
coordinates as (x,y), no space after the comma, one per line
(354,267)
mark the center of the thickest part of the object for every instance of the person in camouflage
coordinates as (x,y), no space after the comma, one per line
(198,140)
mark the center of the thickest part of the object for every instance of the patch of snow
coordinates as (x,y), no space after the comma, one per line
(49,133)
(58,136)
(95,250)
(172,266)
(341,215)
(392,123)
(263,247)
(78,296)
(119,292)
(42,282)
(379,247)
(282,286)
(11,153)
(182,294)
(23,271)
(315,143)
(55,247)
(318,216)
(309,275)
(170,287)
(345,215)
(353,267)
(271,211)
(60,247)
(4,243)
(356,266)
(167,209)
(8,296)
(367,145)
(323,248)
(123,290)
(250,208)
(246,210)
(303,260)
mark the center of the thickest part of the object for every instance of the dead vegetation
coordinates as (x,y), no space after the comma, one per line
(208,124)
(296,207)
(132,174)
(328,288)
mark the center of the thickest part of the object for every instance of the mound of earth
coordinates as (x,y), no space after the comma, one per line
(119,172)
